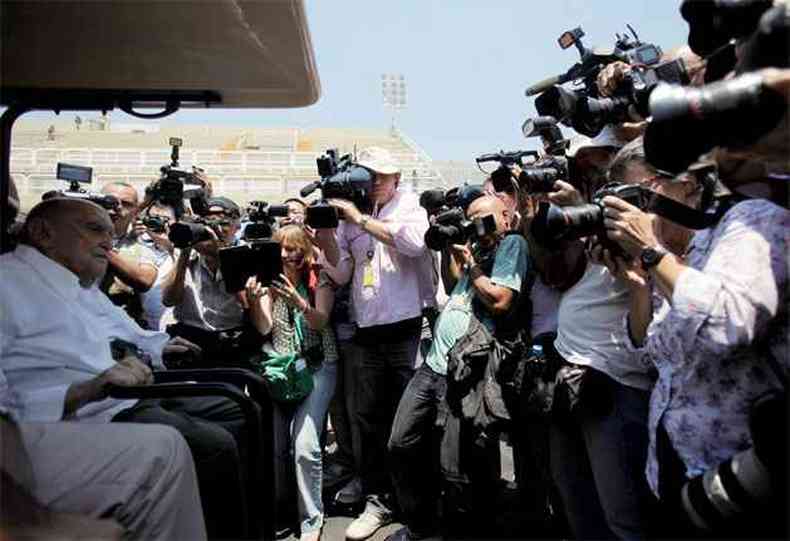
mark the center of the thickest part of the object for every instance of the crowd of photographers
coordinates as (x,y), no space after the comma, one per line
(615,303)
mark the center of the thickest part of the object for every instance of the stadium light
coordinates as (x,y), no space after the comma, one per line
(393,91)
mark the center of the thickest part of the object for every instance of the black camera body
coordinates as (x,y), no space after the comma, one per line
(176,184)
(189,231)
(262,216)
(76,175)
(502,177)
(453,227)
(341,178)
(569,223)
(581,107)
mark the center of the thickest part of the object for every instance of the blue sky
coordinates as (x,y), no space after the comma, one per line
(466,64)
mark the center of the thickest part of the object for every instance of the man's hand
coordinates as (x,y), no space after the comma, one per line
(462,255)
(612,76)
(127,372)
(349,210)
(565,195)
(628,226)
(181,346)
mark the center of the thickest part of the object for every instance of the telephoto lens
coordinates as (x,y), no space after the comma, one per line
(687,122)
(186,234)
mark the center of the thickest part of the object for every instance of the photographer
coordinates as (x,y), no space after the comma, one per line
(152,232)
(598,428)
(485,278)
(132,266)
(205,312)
(385,257)
(719,341)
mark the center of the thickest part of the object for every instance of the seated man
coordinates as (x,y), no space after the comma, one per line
(57,329)
(205,312)
(133,479)
(489,289)
(131,266)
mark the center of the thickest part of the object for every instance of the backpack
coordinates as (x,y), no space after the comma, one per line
(484,373)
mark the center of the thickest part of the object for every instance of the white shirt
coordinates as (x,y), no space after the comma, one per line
(56,333)
(590,316)
(156,314)
(400,278)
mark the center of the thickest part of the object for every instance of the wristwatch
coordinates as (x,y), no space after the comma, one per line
(364,221)
(650,257)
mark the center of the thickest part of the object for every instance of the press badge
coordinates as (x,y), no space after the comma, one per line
(368,277)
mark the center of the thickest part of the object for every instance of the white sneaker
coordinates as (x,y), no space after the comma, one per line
(367,524)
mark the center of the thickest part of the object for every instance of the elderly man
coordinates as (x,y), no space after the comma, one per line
(384,256)
(205,312)
(488,288)
(131,266)
(57,330)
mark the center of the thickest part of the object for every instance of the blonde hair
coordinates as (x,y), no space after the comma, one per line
(295,235)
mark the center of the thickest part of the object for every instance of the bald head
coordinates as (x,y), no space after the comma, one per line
(75,233)
(490,205)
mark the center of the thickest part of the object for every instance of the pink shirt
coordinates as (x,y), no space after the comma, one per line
(396,286)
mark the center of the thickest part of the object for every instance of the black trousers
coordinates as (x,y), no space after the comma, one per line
(214,428)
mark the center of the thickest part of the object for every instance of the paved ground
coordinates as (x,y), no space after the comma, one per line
(508,525)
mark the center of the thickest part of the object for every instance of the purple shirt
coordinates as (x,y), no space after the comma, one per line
(709,346)
(395,288)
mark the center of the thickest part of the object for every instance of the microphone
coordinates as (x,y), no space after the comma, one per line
(310,188)
(543,85)
(432,199)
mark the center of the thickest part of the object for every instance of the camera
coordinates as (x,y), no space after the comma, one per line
(76,175)
(176,184)
(260,258)
(713,23)
(341,178)
(453,227)
(262,217)
(568,223)
(746,495)
(502,176)
(437,201)
(687,122)
(155,224)
(581,107)
(190,230)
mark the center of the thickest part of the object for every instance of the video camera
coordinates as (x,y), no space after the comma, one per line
(77,175)
(537,176)
(581,107)
(190,230)
(502,176)
(449,224)
(341,178)
(176,184)
(262,215)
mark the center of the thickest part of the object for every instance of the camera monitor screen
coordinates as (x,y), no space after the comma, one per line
(78,173)
(261,259)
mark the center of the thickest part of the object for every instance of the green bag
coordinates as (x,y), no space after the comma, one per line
(289,377)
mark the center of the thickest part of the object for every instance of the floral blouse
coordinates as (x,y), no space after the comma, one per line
(709,343)
(284,332)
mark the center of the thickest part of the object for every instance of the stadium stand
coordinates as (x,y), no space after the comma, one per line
(244,163)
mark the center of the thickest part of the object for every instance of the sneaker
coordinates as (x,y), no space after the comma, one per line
(350,494)
(367,524)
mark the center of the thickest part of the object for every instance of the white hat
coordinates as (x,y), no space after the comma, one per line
(606,138)
(379,160)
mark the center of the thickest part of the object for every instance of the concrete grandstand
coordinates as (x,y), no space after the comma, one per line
(244,163)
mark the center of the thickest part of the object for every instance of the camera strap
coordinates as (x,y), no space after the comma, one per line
(687,216)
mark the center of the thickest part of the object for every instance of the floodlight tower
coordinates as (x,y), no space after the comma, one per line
(393,91)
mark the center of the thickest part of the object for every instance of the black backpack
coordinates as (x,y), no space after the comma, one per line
(484,372)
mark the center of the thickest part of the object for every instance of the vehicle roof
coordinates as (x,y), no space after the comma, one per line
(243,53)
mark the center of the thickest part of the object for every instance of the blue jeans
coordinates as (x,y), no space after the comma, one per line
(598,459)
(414,449)
(297,438)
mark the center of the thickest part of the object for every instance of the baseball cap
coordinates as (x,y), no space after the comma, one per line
(606,138)
(379,160)
(229,208)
